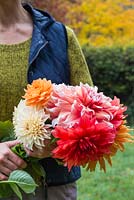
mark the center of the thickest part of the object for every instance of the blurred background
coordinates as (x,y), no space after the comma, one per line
(105,30)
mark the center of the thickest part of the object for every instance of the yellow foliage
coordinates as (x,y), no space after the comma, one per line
(103,22)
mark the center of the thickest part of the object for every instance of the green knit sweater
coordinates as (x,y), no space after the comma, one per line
(13,71)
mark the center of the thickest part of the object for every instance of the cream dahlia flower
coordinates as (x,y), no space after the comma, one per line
(29,125)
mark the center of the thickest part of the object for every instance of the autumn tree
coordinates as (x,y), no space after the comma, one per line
(103,22)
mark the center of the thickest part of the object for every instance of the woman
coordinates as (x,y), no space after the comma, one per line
(33,45)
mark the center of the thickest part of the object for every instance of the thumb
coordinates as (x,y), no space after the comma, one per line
(12,143)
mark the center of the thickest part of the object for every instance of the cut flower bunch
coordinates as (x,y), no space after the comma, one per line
(86,126)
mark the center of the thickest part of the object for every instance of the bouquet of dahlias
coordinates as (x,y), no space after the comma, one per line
(86,126)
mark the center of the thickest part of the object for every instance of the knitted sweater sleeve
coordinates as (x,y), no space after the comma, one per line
(79,71)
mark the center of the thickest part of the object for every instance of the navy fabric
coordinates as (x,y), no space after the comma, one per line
(49,59)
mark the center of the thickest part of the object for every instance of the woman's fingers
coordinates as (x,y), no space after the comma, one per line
(11,143)
(3,177)
(5,171)
(9,161)
(16,160)
(10,165)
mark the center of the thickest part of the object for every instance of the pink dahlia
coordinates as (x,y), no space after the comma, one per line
(69,103)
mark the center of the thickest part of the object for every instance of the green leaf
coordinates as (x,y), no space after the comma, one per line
(16,190)
(21,179)
(6,131)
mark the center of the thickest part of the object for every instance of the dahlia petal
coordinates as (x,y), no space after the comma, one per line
(108,158)
(91,165)
(102,164)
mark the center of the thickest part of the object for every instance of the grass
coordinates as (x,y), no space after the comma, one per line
(116,184)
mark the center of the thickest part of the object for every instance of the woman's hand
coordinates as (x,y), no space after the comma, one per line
(8,160)
(44,152)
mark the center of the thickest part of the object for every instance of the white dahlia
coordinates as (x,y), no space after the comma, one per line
(29,125)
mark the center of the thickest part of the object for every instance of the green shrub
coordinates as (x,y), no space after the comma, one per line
(112,70)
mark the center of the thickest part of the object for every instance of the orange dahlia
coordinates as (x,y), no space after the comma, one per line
(38,93)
